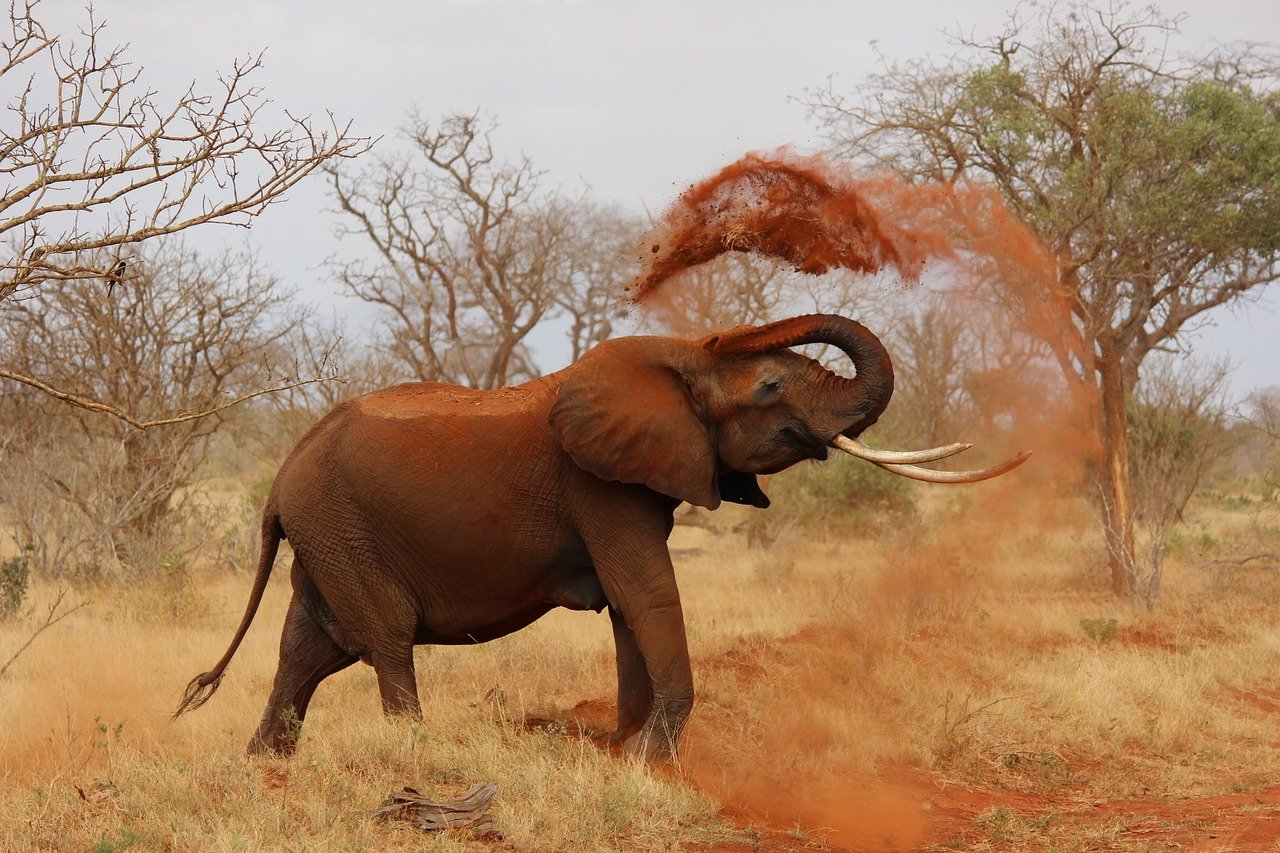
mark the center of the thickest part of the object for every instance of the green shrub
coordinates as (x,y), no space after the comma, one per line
(1101,631)
(15,574)
(840,492)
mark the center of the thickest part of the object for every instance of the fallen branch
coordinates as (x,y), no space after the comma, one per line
(53,617)
(471,810)
(1242,561)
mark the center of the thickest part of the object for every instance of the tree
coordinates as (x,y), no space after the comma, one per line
(95,164)
(934,355)
(183,334)
(1177,431)
(471,254)
(603,261)
(1155,183)
(1264,419)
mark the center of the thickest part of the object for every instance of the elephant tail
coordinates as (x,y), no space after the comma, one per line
(203,686)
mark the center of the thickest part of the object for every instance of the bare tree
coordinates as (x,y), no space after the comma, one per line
(184,334)
(470,254)
(935,355)
(602,261)
(1177,430)
(1153,183)
(1264,418)
(731,290)
(95,164)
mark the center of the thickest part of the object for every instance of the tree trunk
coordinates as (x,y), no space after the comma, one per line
(1115,486)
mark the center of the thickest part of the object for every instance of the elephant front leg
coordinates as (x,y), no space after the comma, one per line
(660,636)
(647,604)
(635,690)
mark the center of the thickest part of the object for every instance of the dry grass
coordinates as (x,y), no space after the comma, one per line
(841,684)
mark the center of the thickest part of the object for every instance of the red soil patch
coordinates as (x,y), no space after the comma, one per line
(909,808)
(1267,701)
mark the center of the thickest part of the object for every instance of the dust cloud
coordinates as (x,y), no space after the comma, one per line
(960,246)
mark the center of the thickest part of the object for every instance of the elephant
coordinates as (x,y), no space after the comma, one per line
(428,513)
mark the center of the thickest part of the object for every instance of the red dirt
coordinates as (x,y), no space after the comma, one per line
(908,808)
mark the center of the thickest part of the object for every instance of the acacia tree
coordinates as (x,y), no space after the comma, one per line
(93,164)
(934,357)
(471,254)
(1154,181)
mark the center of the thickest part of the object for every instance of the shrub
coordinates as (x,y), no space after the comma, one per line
(1100,630)
(842,492)
(15,573)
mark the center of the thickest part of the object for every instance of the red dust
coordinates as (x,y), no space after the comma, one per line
(818,216)
(803,210)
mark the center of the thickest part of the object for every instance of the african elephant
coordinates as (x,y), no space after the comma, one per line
(431,513)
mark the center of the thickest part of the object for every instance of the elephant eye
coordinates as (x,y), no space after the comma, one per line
(771,385)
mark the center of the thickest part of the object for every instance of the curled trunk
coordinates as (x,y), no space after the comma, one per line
(854,404)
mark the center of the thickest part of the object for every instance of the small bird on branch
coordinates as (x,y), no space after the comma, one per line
(117,275)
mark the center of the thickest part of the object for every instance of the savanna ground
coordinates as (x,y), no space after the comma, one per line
(950,682)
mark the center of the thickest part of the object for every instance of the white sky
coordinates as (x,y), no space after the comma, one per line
(633,100)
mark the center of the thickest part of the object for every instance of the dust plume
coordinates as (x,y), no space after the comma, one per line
(828,703)
(803,210)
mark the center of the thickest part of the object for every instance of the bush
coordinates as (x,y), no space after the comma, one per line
(839,493)
(15,573)
(1100,630)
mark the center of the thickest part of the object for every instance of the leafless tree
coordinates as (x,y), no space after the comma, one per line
(1152,180)
(935,357)
(95,164)
(470,253)
(731,290)
(603,260)
(184,334)
(1264,418)
(1177,431)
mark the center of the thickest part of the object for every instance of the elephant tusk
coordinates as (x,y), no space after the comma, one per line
(896,457)
(928,475)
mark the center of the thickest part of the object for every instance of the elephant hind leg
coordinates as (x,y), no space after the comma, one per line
(397,680)
(308,655)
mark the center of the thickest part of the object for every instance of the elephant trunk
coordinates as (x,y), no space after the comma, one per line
(855,403)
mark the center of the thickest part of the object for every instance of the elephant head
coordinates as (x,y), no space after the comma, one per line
(696,420)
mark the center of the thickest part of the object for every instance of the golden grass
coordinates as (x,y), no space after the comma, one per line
(826,670)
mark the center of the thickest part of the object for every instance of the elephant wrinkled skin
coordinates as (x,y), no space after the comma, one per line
(428,513)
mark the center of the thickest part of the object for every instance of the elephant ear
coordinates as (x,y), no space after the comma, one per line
(625,413)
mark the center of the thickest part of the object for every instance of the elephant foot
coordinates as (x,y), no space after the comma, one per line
(657,739)
(273,747)
(655,749)
(277,734)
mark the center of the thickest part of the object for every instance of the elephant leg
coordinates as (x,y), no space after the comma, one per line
(308,655)
(660,636)
(635,690)
(635,569)
(397,680)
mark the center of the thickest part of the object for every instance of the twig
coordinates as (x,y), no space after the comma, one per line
(1240,561)
(95,406)
(51,618)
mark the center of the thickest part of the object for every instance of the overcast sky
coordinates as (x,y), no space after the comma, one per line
(632,100)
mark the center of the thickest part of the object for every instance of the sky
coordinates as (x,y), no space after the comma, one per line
(630,100)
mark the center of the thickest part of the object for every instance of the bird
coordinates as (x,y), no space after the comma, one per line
(117,274)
